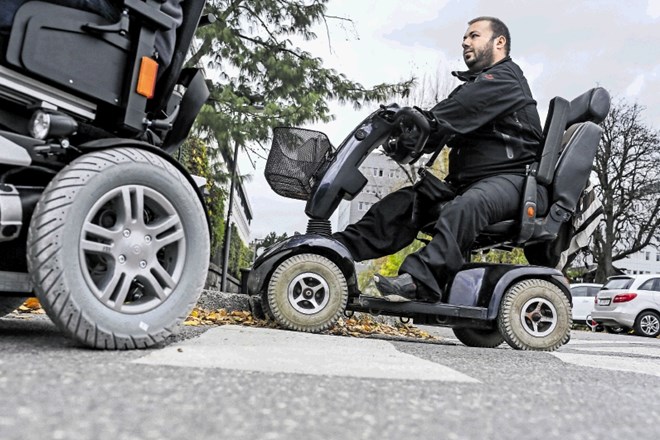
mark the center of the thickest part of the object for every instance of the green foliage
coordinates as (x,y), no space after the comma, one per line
(515,256)
(271,239)
(194,156)
(251,47)
(240,255)
(387,266)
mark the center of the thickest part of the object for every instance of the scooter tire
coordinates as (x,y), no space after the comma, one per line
(308,293)
(535,315)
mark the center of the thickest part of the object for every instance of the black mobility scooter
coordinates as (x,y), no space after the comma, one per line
(306,282)
(96,217)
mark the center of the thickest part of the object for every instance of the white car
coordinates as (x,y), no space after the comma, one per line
(631,301)
(583,295)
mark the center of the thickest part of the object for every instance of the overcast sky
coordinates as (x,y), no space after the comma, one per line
(565,47)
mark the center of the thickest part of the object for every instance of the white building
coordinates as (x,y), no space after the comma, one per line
(384,176)
(646,261)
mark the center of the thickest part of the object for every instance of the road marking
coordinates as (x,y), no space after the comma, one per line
(635,365)
(643,351)
(620,341)
(279,351)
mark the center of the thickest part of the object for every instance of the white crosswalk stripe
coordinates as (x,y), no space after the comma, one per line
(278,351)
(622,354)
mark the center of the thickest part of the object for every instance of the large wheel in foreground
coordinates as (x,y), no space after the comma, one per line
(118,249)
(535,315)
(473,337)
(307,292)
(9,303)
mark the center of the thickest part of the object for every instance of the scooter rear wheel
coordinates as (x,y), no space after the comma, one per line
(308,293)
(473,337)
(535,315)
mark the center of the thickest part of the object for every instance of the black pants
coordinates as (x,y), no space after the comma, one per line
(394,222)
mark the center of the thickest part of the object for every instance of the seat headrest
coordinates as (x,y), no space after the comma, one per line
(591,106)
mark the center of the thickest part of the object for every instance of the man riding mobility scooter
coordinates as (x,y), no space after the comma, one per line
(308,281)
(96,217)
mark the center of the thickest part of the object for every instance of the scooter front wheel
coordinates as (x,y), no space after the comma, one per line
(308,293)
(535,315)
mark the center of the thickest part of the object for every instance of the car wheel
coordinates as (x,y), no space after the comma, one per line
(648,324)
(118,249)
(535,315)
(307,292)
(616,330)
(9,303)
(479,337)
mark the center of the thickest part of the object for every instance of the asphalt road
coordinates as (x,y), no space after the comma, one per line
(239,382)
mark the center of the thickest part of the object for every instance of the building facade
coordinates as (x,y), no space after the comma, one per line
(384,176)
(646,261)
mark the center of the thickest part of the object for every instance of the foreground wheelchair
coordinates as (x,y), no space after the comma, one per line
(308,281)
(96,217)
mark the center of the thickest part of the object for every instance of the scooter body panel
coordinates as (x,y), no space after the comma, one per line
(473,299)
(256,279)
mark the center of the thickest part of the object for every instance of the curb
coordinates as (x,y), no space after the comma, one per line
(211,299)
(215,299)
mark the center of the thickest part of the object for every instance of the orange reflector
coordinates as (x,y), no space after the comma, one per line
(530,211)
(147,78)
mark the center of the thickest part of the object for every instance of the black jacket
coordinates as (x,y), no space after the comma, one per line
(494,123)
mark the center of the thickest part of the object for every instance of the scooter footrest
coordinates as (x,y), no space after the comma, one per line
(375,305)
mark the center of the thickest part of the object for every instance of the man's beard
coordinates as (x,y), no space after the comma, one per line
(482,58)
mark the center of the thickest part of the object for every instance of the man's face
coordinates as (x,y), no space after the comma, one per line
(478,46)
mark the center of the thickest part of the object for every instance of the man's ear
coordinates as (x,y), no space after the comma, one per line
(500,42)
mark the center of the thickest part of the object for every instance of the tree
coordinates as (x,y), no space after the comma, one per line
(271,239)
(628,172)
(262,79)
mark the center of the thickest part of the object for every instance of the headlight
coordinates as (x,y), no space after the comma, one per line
(51,125)
(39,125)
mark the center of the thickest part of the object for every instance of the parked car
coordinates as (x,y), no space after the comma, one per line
(631,301)
(584,295)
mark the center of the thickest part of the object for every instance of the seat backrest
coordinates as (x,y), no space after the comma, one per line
(572,162)
(563,167)
(591,106)
(83,54)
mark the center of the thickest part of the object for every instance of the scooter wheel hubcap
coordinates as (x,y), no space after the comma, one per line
(308,293)
(538,317)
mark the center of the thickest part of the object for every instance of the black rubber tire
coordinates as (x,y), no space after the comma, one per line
(289,276)
(616,330)
(544,296)
(9,303)
(473,337)
(61,273)
(648,324)
(265,307)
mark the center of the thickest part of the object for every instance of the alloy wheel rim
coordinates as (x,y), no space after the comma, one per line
(538,317)
(132,249)
(650,324)
(308,293)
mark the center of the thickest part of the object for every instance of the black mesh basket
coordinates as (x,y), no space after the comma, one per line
(295,156)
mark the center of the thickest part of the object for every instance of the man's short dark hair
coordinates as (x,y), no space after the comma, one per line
(499,29)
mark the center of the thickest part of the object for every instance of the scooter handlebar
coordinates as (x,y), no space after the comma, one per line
(409,115)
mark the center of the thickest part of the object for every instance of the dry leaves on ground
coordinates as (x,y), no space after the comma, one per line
(362,326)
(31,305)
(356,326)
